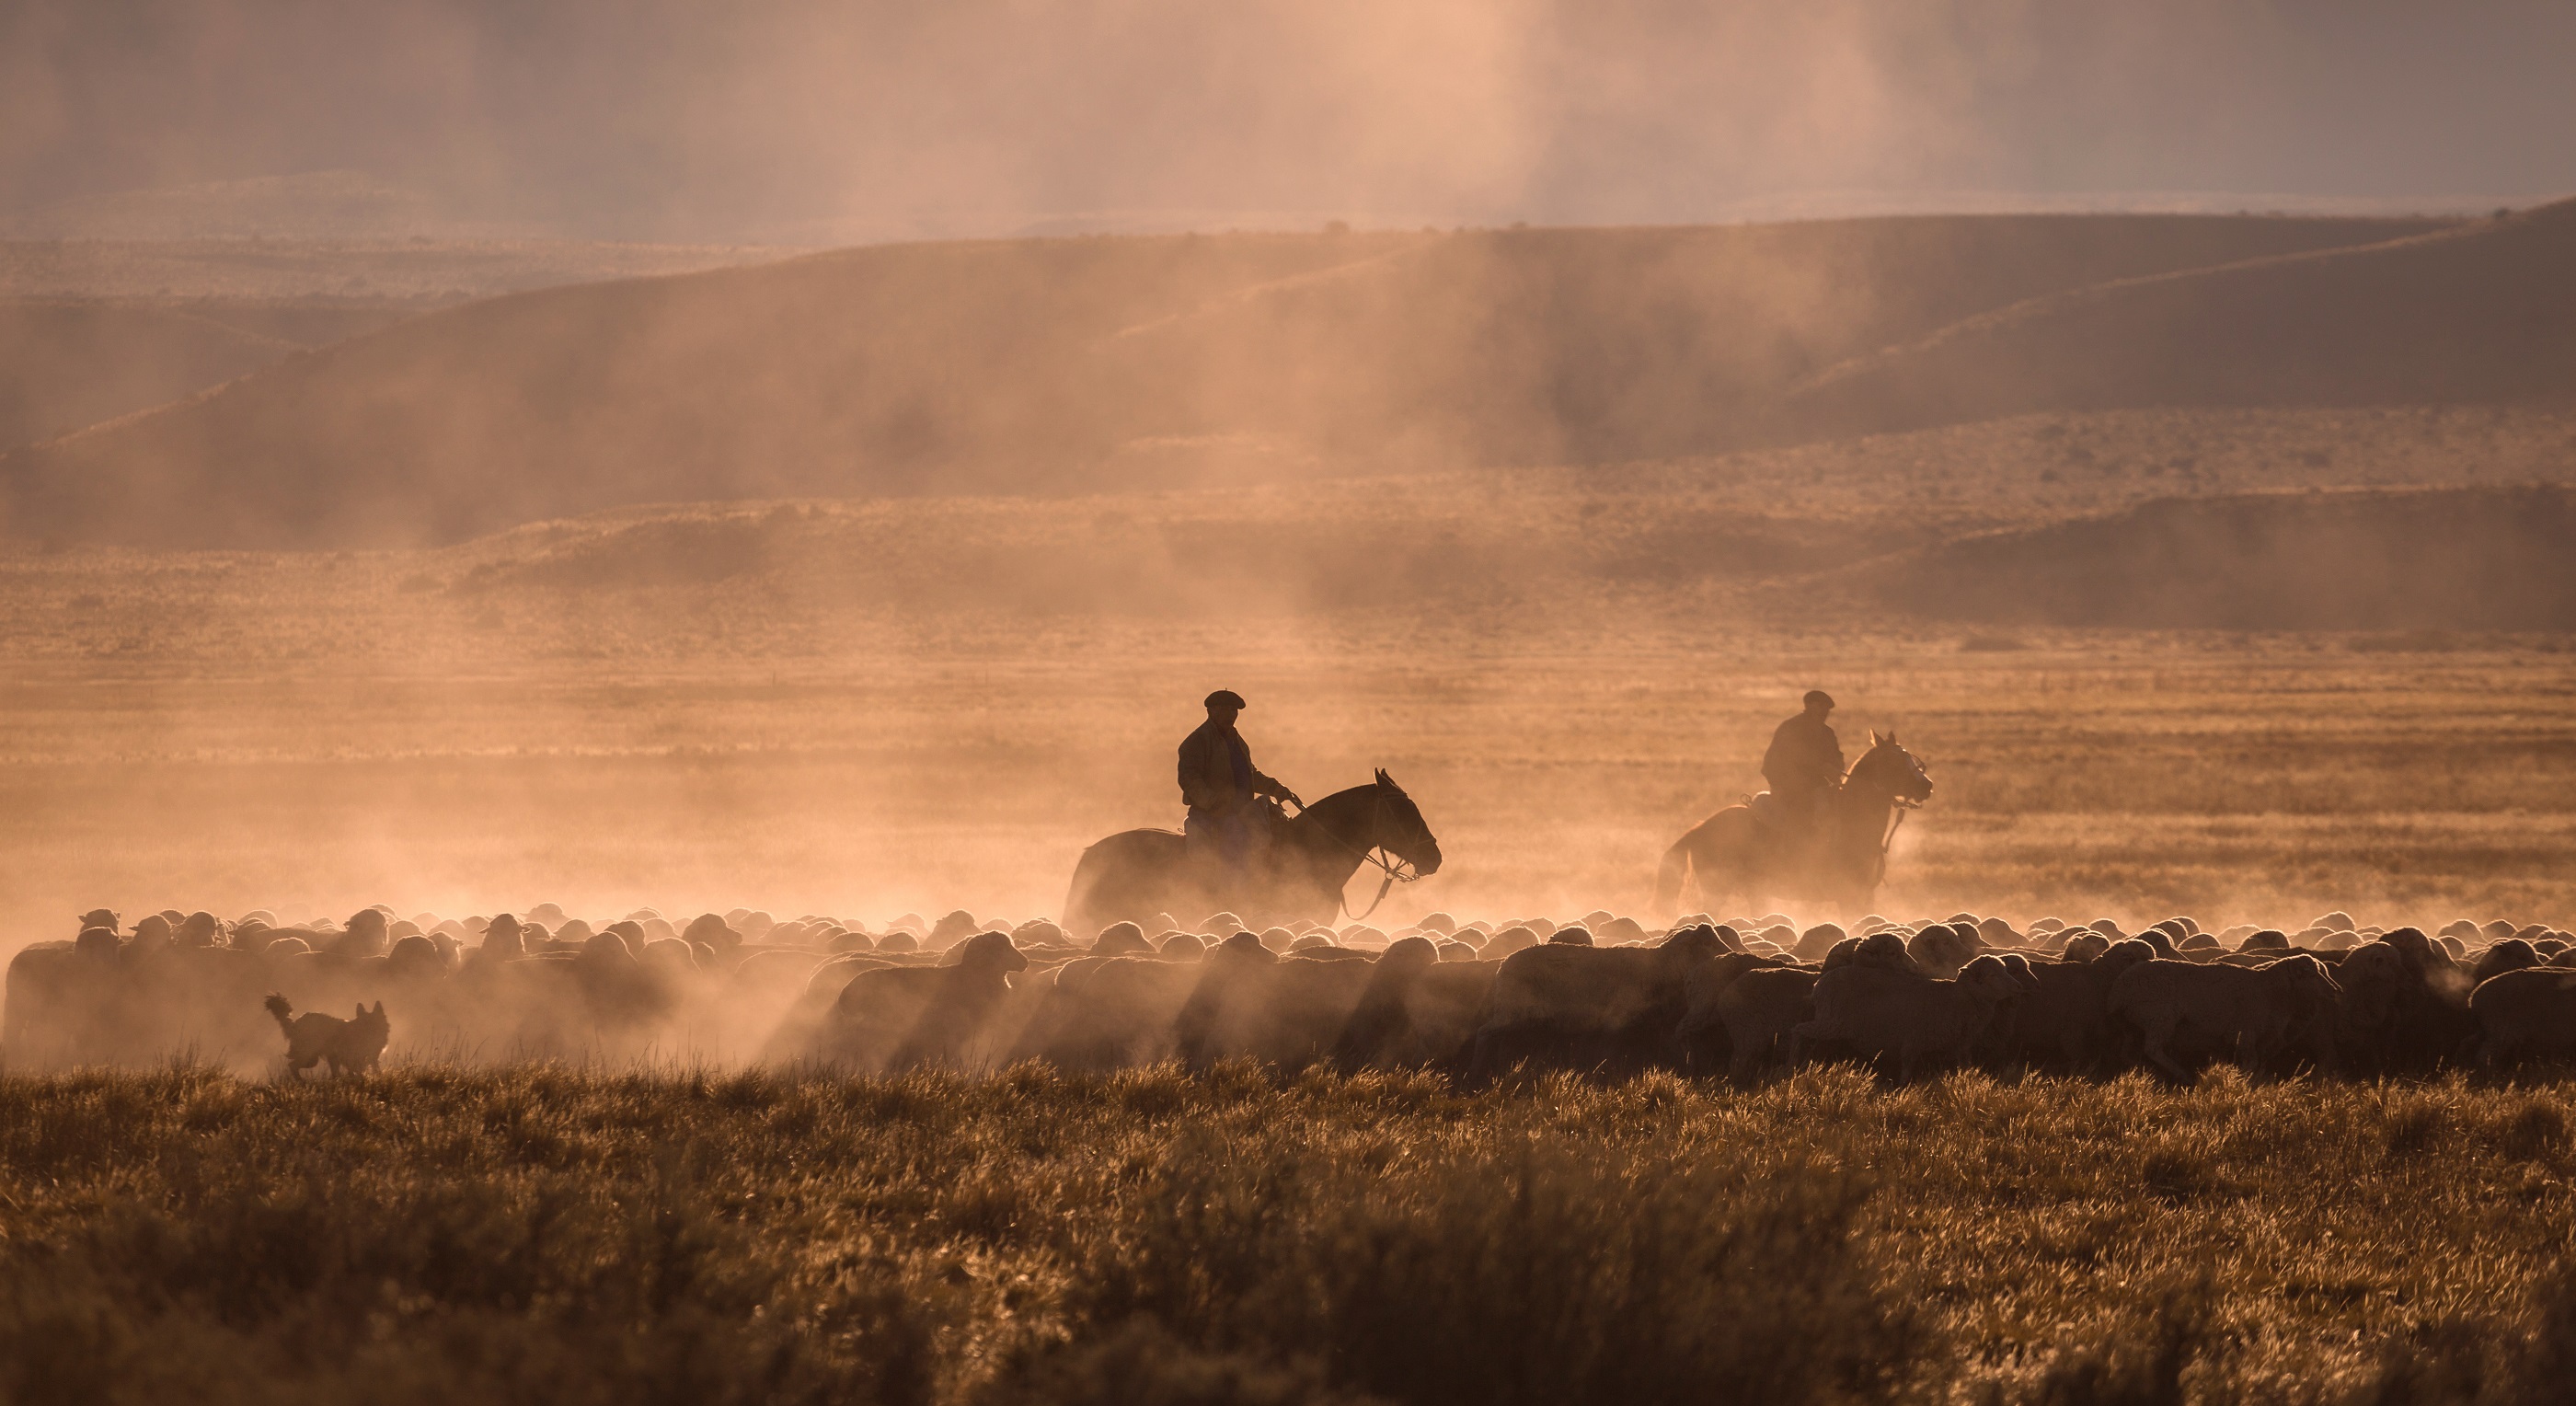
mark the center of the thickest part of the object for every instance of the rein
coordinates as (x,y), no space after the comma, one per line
(1398,870)
(1895,822)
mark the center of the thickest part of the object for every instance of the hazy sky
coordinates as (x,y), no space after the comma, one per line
(662,118)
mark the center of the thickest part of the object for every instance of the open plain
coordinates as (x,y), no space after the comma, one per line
(878,706)
(2404,780)
(653,593)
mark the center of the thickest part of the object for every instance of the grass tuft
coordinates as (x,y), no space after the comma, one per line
(552,1235)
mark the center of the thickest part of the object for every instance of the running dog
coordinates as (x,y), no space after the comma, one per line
(314,1037)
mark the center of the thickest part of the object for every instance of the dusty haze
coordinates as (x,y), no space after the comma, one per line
(814,458)
(753,121)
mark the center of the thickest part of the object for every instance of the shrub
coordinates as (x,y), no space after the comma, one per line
(1545,1274)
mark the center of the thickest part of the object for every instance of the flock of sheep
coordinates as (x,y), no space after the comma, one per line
(1600,995)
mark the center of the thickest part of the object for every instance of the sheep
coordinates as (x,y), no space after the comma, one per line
(1588,1008)
(1039,933)
(2405,1009)
(1382,1015)
(2402,1001)
(1701,1036)
(1918,1021)
(2064,1020)
(503,941)
(417,959)
(2512,954)
(2086,946)
(1815,942)
(897,1018)
(1759,1009)
(363,936)
(1250,1001)
(1117,1014)
(713,931)
(1120,940)
(1884,950)
(2254,1014)
(1416,1012)
(1941,950)
(2523,1013)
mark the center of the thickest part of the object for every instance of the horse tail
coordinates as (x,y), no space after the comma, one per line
(1077,896)
(1670,876)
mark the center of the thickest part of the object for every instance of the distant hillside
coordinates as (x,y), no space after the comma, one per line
(2481,312)
(91,329)
(1074,365)
(401,275)
(1478,558)
(2445,559)
(308,205)
(64,365)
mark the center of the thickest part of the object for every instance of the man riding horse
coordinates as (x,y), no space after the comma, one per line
(1240,855)
(1805,767)
(1223,790)
(1820,833)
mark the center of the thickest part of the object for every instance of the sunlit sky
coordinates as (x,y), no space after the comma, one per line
(766,118)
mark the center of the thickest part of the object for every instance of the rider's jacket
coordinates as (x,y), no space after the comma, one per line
(1805,756)
(1217,773)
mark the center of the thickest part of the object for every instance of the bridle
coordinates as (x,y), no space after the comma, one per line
(1901,808)
(1397,868)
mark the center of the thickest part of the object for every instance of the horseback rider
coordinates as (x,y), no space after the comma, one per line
(1222,788)
(1804,766)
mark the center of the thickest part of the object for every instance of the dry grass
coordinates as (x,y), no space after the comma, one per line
(2088,775)
(549,1235)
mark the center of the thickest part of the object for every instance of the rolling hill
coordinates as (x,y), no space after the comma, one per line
(1055,366)
(66,364)
(2483,312)
(1477,560)
(2355,559)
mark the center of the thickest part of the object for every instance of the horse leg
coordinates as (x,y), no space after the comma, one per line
(1673,877)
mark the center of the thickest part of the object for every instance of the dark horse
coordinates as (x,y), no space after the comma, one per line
(1733,857)
(1133,875)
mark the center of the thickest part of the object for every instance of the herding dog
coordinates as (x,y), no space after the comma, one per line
(314,1037)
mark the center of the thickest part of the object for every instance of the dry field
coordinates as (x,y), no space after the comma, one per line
(553,1236)
(2081,774)
(914,705)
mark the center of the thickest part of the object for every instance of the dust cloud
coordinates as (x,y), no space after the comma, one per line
(869,587)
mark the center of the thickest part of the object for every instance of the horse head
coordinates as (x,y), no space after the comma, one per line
(1889,771)
(1400,829)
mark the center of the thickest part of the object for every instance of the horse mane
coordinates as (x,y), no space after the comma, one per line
(1877,744)
(1345,792)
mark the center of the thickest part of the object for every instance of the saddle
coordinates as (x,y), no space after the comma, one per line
(1766,811)
(1239,838)
(1776,825)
